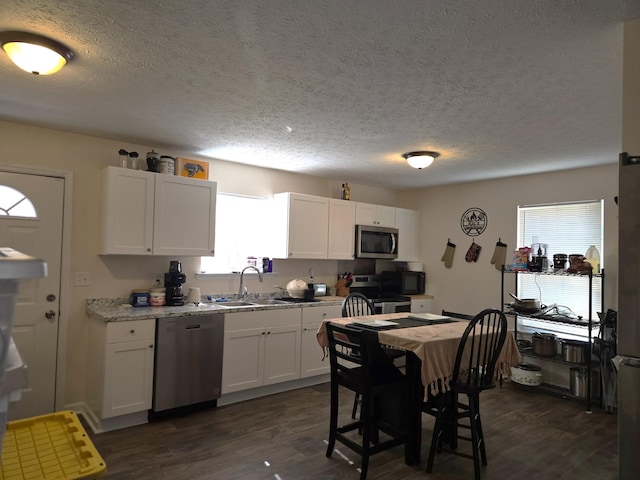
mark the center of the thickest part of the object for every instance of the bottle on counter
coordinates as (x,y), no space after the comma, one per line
(593,257)
(347,191)
(342,192)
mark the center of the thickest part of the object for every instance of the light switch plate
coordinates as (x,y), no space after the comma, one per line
(82,279)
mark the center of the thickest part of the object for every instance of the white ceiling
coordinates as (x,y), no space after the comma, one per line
(336,88)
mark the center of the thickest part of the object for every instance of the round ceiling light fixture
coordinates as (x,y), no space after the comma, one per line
(420,159)
(34,53)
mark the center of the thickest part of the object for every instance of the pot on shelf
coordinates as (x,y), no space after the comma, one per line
(544,344)
(575,351)
(578,382)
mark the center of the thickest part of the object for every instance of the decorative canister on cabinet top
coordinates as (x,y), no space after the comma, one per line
(167,165)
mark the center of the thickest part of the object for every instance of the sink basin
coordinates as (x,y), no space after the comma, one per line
(268,301)
(236,304)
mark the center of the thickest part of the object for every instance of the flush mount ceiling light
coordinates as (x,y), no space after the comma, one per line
(34,53)
(420,160)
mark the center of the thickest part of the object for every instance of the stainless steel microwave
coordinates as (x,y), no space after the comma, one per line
(376,242)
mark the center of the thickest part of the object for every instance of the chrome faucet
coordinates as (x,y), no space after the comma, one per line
(242,291)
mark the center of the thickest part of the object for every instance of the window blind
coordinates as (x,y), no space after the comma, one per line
(569,228)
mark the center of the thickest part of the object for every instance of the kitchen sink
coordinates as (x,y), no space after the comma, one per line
(236,304)
(268,301)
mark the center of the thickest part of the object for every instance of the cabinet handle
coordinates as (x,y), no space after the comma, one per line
(151,346)
(132,331)
(148,249)
(268,333)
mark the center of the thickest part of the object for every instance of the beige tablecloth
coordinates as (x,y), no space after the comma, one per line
(434,345)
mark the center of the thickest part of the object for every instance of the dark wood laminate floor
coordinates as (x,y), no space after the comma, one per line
(282,437)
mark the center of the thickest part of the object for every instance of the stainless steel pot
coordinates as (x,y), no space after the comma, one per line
(575,351)
(544,344)
(578,382)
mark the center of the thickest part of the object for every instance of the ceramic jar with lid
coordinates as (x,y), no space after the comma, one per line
(167,165)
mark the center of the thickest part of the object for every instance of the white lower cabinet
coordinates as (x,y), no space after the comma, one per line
(120,367)
(260,348)
(421,305)
(312,362)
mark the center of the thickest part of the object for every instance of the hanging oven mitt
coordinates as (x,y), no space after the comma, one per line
(447,258)
(473,252)
(499,255)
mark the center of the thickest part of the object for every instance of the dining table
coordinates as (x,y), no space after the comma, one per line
(431,343)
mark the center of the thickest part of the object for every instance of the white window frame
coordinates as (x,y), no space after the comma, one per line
(241,231)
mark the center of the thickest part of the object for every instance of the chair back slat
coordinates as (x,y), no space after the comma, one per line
(479,349)
(349,346)
(356,305)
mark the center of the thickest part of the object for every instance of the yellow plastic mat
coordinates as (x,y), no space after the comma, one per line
(47,447)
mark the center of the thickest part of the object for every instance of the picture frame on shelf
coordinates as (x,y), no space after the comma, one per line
(186,167)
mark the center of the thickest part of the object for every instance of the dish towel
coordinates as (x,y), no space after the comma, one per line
(499,255)
(447,258)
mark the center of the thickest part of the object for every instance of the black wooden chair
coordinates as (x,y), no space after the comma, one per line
(474,372)
(381,385)
(356,305)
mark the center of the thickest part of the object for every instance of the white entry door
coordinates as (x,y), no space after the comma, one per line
(35,230)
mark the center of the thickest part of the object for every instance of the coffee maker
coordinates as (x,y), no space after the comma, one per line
(173,281)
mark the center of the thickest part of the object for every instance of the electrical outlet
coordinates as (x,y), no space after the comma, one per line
(82,279)
(157,280)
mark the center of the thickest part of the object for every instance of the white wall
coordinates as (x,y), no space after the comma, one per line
(471,287)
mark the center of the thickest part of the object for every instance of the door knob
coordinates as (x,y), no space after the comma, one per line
(50,314)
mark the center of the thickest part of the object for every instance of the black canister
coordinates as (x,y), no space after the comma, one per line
(153,161)
(560,261)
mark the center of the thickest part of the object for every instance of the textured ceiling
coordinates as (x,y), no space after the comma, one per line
(336,88)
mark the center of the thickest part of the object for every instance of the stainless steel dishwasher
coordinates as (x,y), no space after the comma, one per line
(188,361)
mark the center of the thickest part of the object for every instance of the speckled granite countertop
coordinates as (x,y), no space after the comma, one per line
(119,310)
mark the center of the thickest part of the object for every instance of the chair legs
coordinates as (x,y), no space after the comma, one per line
(333,419)
(445,430)
(356,402)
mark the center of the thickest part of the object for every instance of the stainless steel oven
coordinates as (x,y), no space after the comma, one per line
(370,287)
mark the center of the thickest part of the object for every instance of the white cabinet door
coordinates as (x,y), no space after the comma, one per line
(408,243)
(243,365)
(281,361)
(342,229)
(127,212)
(312,362)
(128,378)
(421,305)
(378,215)
(300,226)
(184,216)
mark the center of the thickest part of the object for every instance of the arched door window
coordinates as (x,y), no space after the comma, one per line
(15,204)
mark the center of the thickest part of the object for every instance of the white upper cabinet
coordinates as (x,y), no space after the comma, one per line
(407,223)
(145,213)
(300,226)
(378,215)
(342,229)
